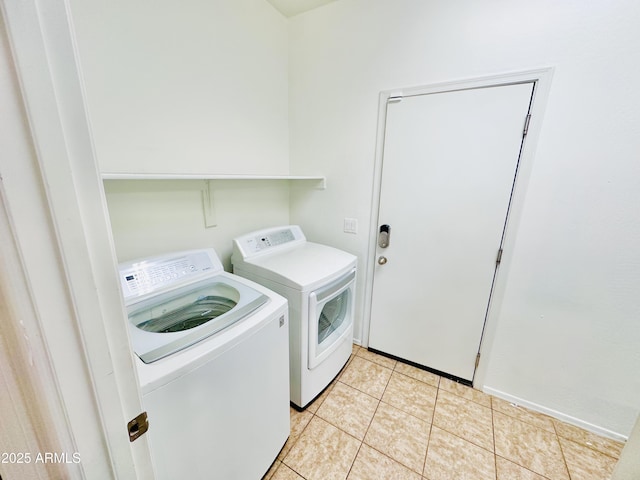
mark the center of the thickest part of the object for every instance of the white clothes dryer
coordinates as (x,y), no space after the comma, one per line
(319,284)
(212,361)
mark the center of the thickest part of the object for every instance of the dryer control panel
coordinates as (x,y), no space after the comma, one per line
(144,276)
(261,241)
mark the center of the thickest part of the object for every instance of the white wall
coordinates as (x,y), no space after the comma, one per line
(189,86)
(565,336)
(153,217)
(194,86)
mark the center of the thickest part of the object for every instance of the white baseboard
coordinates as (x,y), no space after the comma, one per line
(555,414)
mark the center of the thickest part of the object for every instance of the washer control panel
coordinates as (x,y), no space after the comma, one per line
(268,240)
(149,274)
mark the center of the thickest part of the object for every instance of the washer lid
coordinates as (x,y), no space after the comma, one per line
(301,267)
(166,323)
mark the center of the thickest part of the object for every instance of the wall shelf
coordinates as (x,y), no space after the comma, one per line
(208,205)
(188,176)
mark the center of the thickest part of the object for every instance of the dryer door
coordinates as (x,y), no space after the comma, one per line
(331,311)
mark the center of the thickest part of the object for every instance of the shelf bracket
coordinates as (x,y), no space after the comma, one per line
(208,205)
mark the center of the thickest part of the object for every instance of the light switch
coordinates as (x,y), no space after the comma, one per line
(351,225)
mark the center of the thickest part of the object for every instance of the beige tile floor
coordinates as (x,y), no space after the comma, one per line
(382,419)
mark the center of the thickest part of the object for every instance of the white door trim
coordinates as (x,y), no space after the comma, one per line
(34,420)
(542,77)
(55,199)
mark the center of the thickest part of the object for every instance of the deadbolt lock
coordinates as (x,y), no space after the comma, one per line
(384,236)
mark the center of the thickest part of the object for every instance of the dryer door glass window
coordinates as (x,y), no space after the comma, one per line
(332,316)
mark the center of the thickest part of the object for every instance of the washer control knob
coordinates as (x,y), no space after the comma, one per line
(382,260)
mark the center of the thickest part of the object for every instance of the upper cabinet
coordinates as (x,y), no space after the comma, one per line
(185,86)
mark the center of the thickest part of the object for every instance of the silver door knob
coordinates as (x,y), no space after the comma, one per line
(382,260)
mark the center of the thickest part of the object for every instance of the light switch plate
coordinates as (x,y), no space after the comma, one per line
(351,225)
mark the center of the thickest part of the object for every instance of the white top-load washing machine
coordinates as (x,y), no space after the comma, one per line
(212,361)
(319,283)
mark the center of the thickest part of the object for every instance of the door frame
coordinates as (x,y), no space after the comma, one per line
(54,198)
(542,79)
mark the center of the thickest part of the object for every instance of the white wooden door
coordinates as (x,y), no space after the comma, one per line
(449,165)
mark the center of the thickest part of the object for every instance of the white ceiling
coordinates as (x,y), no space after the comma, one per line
(289,8)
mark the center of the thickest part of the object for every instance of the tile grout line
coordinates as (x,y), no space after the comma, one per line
(379,400)
(314,414)
(282,462)
(564,457)
(438,388)
(523,467)
(531,425)
(433,416)
(493,433)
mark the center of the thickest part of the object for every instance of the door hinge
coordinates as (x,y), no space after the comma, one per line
(477,359)
(138,426)
(499,257)
(525,130)
(395,98)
